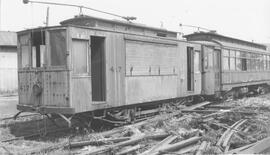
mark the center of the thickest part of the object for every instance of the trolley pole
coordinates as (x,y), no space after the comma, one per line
(0,14)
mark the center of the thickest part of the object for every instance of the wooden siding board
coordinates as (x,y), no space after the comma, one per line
(54,88)
(82,96)
(232,79)
(150,88)
(120,56)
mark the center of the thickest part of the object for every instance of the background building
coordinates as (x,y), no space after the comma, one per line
(8,62)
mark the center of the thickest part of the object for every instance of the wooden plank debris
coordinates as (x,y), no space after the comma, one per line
(129,150)
(202,147)
(180,144)
(258,147)
(97,142)
(187,149)
(237,150)
(128,142)
(193,107)
(155,149)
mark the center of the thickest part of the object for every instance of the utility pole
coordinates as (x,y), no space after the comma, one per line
(47,17)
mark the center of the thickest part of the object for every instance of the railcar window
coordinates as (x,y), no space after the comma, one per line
(79,56)
(58,47)
(243,61)
(257,62)
(225,60)
(161,34)
(248,61)
(268,59)
(244,64)
(252,62)
(261,62)
(25,54)
(210,59)
(248,64)
(238,62)
(232,60)
(265,62)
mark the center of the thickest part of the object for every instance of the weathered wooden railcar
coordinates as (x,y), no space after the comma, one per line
(238,63)
(89,64)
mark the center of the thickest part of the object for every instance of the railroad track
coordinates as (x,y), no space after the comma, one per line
(18,117)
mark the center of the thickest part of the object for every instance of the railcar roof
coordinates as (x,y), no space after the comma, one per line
(90,21)
(40,28)
(224,40)
(82,17)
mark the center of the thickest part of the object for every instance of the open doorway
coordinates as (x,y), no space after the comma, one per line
(190,69)
(98,76)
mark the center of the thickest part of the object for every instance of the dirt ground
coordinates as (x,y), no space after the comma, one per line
(8,106)
(174,126)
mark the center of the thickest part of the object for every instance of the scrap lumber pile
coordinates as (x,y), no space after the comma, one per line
(229,128)
(240,126)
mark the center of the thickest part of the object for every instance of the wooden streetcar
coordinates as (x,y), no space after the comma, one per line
(118,71)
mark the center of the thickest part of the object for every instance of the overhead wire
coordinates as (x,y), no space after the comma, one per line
(82,7)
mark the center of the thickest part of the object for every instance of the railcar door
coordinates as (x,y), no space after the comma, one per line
(217,69)
(197,73)
(81,77)
(193,70)
(208,73)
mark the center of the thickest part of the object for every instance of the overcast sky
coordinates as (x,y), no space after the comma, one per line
(244,19)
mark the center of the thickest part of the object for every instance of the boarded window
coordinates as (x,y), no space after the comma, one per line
(147,58)
(58,47)
(79,56)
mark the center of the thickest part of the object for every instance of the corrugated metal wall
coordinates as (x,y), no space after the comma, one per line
(8,70)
